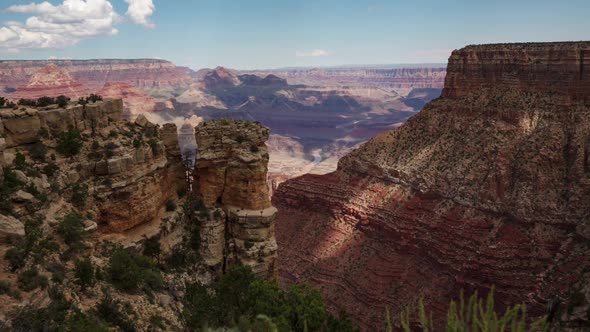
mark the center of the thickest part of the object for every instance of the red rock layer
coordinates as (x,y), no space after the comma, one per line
(548,67)
(488,186)
(134,100)
(51,81)
(145,73)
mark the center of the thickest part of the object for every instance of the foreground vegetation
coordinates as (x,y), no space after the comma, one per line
(471,316)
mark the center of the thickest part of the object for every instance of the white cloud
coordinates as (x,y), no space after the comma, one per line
(60,26)
(314,53)
(140,11)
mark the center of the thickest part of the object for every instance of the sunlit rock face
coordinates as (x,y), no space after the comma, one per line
(488,185)
(51,81)
(230,172)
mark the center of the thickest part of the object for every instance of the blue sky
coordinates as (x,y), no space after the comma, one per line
(269,34)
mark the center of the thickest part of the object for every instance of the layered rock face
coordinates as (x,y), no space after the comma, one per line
(134,100)
(541,67)
(488,185)
(131,182)
(230,172)
(51,81)
(22,126)
(146,73)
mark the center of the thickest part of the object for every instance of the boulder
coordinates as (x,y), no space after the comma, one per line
(11,227)
(22,197)
(143,122)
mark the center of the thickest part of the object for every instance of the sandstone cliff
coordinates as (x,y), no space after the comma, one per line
(488,185)
(230,172)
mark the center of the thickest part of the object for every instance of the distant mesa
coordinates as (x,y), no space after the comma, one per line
(51,81)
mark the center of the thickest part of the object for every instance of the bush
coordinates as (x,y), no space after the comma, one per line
(71,230)
(128,271)
(62,101)
(31,279)
(4,287)
(50,169)
(79,322)
(20,161)
(110,311)
(84,272)
(462,316)
(238,296)
(79,195)
(151,247)
(38,152)
(69,143)
(170,205)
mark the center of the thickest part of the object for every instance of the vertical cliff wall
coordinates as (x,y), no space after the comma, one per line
(230,172)
(488,185)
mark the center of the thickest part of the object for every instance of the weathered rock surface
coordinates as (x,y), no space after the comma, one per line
(230,172)
(232,162)
(51,81)
(11,227)
(22,126)
(135,101)
(486,186)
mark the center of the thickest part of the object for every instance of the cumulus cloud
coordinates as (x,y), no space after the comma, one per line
(59,26)
(140,11)
(314,53)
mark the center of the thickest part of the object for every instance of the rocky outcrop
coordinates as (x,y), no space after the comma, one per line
(135,101)
(51,81)
(561,68)
(232,163)
(22,126)
(230,172)
(488,185)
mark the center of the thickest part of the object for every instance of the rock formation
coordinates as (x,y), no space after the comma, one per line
(488,185)
(145,73)
(134,100)
(51,81)
(230,172)
(131,181)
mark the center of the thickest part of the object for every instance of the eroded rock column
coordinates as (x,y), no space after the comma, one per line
(230,172)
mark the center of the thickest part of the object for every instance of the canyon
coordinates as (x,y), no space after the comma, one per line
(323,112)
(487,186)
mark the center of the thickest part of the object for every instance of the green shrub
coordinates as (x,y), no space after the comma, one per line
(71,229)
(239,297)
(110,311)
(79,195)
(20,161)
(79,322)
(4,287)
(475,315)
(31,279)
(50,169)
(38,152)
(151,247)
(128,272)
(170,205)
(69,143)
(84,272)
